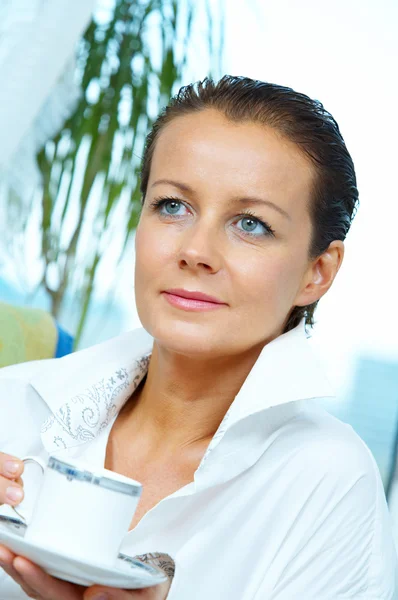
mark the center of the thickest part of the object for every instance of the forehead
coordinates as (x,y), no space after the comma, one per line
(205,149)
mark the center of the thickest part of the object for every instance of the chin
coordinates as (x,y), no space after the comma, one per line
(183,337)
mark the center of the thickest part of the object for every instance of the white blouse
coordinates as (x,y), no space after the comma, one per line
(286,504)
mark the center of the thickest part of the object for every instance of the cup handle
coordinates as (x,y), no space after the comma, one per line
(29,460)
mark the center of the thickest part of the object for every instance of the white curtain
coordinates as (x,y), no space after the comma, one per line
(37,87)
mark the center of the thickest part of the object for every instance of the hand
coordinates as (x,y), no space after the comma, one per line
(10,479)
(41,586)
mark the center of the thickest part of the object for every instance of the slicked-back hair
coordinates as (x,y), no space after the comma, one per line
(296,117)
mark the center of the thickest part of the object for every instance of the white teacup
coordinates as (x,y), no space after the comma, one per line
(79,510)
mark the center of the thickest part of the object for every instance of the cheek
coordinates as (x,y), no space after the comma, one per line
(151,253)
(268,281)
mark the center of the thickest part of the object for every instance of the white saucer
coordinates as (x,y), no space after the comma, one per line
(127,573)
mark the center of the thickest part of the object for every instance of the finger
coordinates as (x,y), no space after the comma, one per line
(6,556)
(11,469)
(44,585)
(11,492)
(28,590)
(10,466)
(6,560)
(94,593)
(155,592)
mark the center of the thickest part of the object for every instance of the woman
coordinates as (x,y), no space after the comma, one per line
(249,485)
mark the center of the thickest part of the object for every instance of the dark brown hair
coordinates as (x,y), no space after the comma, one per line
(300,119)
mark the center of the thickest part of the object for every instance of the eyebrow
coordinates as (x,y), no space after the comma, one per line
(245,200)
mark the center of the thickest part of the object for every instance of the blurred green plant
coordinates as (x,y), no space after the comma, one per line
(129,64)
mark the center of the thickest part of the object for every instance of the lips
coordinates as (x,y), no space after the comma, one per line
(194,295)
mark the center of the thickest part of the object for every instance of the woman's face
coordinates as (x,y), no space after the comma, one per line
(213,171)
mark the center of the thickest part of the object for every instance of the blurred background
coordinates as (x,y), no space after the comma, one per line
(82,81)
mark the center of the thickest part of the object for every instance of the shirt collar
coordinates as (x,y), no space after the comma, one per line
(88,388)
(287,369)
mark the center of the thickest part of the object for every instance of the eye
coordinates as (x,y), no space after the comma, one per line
(248,217)
(160,203)
(251,219)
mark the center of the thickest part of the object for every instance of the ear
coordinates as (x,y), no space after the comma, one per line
(320,274)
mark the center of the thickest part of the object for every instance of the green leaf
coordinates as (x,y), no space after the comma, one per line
(87,167)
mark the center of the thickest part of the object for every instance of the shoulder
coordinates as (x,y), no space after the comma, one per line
(325,457)
(26,370)
(22,409)
(332,486)
(324,441)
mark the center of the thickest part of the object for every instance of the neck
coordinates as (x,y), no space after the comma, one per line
(182,401)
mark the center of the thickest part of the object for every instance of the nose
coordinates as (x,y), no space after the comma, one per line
(200,248)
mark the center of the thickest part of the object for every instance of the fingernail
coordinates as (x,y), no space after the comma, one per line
(14,494)
(101,596)
(11,467)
